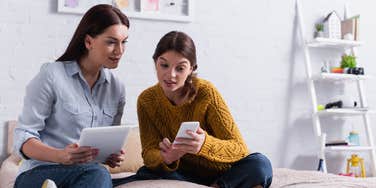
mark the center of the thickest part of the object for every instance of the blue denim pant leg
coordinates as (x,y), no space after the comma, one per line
(255,169)
(91,175)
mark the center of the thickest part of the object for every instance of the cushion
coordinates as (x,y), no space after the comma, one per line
(11,125)
(161,184)
(133,159)
(8,171)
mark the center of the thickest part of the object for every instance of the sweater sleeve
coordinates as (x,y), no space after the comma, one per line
(150,138)
(226,143)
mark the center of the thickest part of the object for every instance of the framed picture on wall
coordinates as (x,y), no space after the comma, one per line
(149,5)
(78,6)
(168,10)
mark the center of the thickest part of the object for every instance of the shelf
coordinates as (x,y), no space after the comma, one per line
(345,111)
(340,77)
(348,148)
(160,16)
(333,43)
(177,11)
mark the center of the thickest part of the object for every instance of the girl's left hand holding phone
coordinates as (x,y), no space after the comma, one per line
(168,153)
(191,145)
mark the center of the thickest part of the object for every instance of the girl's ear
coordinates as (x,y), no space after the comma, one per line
(88,42)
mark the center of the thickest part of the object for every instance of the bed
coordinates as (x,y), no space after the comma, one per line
(282,177)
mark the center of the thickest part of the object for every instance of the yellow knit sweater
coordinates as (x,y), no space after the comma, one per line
(159,118)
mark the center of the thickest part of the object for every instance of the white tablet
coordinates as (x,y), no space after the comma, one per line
(184,127)
(108,139)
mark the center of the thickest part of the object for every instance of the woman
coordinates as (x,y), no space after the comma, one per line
(216,155)
(75,92)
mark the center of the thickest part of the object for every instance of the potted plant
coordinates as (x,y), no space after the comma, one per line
(319,30)
(348,61)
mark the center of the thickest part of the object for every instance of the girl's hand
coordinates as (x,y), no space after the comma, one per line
(191,145)
(73,154)
(115,159)
(168,153)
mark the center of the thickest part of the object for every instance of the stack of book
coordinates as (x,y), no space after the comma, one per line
(350,27)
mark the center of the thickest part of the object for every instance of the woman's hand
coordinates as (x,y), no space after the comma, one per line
(73,154)
(191,145)
(115,159)
(169,154)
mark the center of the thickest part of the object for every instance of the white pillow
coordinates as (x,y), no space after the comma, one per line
(9,170)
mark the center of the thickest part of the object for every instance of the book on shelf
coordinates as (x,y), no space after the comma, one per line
(337,143)
(350,26)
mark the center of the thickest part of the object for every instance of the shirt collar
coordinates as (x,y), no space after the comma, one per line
(72,69)
(104,76)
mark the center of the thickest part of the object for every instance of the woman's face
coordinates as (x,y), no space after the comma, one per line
(172,71)
(107,48)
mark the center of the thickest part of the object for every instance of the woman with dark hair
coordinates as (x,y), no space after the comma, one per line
(216,155)
(75,92)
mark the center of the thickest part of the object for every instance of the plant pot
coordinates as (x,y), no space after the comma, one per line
(319,34)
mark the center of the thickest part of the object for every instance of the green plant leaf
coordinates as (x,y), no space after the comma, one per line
(348,61)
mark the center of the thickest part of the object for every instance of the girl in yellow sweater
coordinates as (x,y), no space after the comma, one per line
(216,155)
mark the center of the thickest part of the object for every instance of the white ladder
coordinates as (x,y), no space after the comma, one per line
(359,79)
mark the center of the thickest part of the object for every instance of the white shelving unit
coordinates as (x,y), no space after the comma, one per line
(364,112)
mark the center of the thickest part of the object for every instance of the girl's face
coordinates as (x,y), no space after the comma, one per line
(172,71)
(107,48)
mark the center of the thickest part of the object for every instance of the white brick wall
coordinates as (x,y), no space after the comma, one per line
(248,49)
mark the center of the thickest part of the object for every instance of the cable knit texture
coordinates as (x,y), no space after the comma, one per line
(159,118)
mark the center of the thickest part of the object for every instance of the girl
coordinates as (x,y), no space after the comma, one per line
(216,154)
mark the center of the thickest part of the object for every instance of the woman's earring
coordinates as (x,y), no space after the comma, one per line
(194,67)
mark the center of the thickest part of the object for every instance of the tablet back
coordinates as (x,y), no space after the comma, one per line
(108,139)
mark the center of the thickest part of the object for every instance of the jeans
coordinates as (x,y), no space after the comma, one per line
(91,175)
(255,169)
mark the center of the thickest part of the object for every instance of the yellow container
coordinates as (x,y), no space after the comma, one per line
(355,165)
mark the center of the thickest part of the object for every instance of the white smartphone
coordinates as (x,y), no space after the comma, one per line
(184,127)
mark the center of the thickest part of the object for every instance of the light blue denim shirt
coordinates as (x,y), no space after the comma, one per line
(59,103)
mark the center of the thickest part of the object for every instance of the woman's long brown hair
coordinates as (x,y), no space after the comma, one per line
(95,21)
